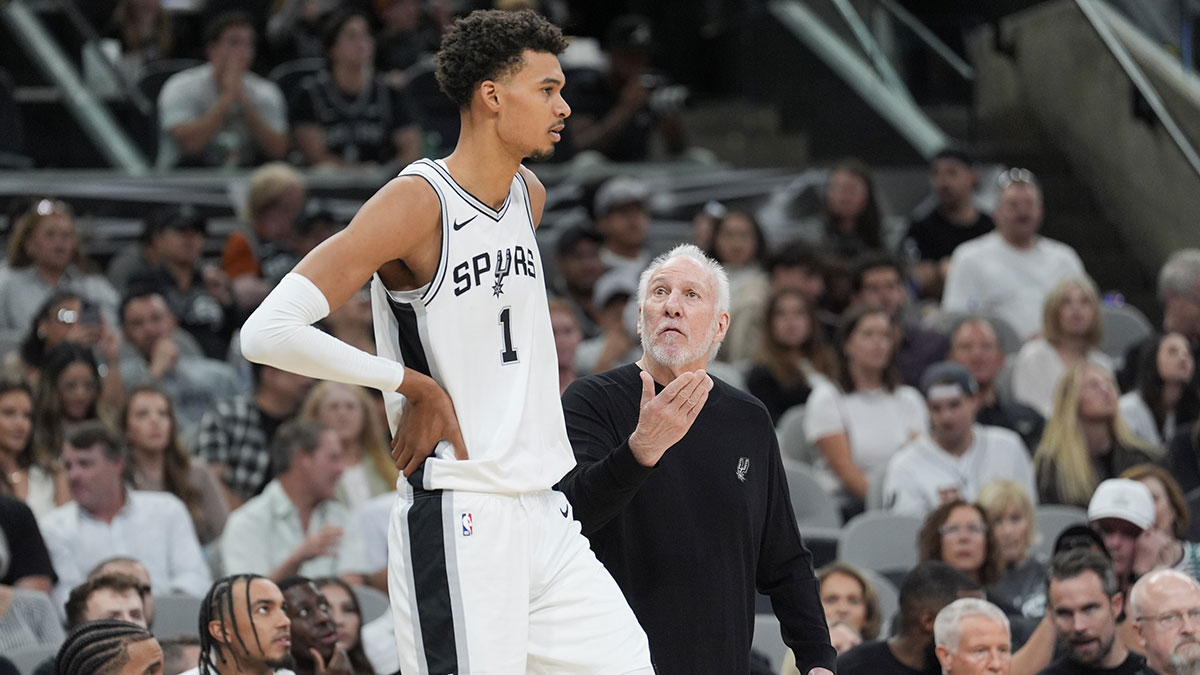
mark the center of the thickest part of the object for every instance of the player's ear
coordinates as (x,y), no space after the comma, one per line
(489,92)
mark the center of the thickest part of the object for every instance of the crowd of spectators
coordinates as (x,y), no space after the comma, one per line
(141,456)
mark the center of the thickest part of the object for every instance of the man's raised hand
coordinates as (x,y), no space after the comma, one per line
(664,419)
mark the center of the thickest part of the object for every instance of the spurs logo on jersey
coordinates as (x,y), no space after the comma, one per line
(481,329)
(471,273)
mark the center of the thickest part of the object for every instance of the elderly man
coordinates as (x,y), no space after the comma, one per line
(1165,605)
(1007,273)
(972,638)
(679,482)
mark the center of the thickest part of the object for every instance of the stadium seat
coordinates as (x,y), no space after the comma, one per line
(27,659)
(880,541)
(812,505)
(1124,326)
(176,615)
(768,639)
(1053,519)
(792,443)
(371,602)
(889,599)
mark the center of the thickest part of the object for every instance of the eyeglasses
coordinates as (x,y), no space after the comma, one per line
(974,530)
(1016,175)
(1174,620)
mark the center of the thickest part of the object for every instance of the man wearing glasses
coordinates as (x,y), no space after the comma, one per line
(1084,603)
(1166,608)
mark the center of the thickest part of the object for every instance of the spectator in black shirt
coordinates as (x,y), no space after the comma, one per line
(344,116)
(29,563)
(1082,597)
(955,219)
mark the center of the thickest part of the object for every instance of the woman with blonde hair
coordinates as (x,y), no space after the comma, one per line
(348,410)
(1071,331)
(1085,440)
(1013,521)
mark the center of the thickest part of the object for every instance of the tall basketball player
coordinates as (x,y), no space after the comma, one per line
(488,572)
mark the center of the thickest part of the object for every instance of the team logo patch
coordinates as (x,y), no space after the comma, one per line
(503,267)
(742,468)
(468,525)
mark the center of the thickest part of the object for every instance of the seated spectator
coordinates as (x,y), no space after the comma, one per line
(199,296)
(617,342)
(579,267)
(64,317)
(1164,545)
(878,279)
(27,566)
(68,394)
(159,462)
(1166,396)
(1165,604)
(795,266)
(617,111)
(107,518)
(567,338)
(407,33)
(27,619)
(347,616)
(926,589)
(134,256)
(345,115)
(1178,290)
(957,534)
(972,636)
(256,258)
(295,525)
(180,653)
(974,344)
(957,456)
(739,245)
(235,434)
(145,33)
(860,427)
(316,649)
(851,606)
(28,472)
(193,383)
(1085,602)
(954,219)
(623,221)
(44,256)
(704,223)
(850,220)
(107,596)
(1007,273)
(108,646)
(1071,333)
(1012,521)
(1119,511)
(366,455)
(793,357)
(1085,441)
(244,628)
(120,564)
(220,113)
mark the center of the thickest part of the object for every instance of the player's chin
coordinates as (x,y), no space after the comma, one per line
(542,154)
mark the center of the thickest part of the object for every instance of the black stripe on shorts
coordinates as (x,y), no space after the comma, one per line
(431,583)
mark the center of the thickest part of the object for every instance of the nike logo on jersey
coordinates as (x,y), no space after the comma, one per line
(459,226)
(563,511)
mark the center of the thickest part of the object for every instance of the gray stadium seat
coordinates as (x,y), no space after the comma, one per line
(371,602)
(1053,519)
(812,505)
(889,599)
(792,443)
(176,615)
(1124,327)
(27,659)
(880,541)
(768,639)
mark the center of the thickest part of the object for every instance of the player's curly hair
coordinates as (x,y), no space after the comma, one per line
(486,45)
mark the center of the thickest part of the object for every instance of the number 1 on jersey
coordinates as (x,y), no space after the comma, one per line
(509,355)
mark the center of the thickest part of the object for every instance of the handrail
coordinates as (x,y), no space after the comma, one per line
(964,69)
(871,46)
(1139,80)
(88,31)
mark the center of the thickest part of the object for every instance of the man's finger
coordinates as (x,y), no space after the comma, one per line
(317,660)
(647,388)
(672,390)
(456,440)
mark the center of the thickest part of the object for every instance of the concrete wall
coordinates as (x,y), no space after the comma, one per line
(1063,79)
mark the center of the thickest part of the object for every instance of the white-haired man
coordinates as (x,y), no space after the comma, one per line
(972,638)
(679,483)
(1166,611)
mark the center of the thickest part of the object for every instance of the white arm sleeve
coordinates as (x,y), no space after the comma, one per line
(280,334)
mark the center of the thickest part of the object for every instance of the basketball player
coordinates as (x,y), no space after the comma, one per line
(487,569)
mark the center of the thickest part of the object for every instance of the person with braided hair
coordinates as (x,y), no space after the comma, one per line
(109,647)
(244,629)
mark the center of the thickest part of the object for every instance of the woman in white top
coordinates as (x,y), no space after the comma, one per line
(858,428)
(1071,331)
(1165,398)
(348,411)
(33,477)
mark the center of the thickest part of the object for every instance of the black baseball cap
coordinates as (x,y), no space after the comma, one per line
(572,236)
(182,217)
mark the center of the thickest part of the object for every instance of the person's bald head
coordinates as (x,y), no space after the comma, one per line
(1165,605)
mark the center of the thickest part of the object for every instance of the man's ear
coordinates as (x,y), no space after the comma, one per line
(489,93)
(218,632)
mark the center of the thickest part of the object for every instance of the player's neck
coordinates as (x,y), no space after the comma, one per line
(481,164)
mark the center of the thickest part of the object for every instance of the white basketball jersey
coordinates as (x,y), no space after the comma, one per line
(481,329)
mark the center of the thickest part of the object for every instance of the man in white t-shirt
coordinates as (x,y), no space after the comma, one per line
(1007,273)
(956,457)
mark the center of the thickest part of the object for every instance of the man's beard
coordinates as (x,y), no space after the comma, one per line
(684,357)
(1186,663)
(288,661)
(1105,648)
(542,155)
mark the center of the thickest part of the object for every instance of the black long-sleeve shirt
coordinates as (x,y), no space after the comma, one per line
(690,540)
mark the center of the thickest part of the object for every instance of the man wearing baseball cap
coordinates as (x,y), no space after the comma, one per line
(956,457)
(622,219)
(1119,510)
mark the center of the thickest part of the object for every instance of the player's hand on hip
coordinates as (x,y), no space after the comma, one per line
(664,419)
(428,418)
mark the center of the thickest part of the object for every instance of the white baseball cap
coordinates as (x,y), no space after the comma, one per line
(1125,499)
